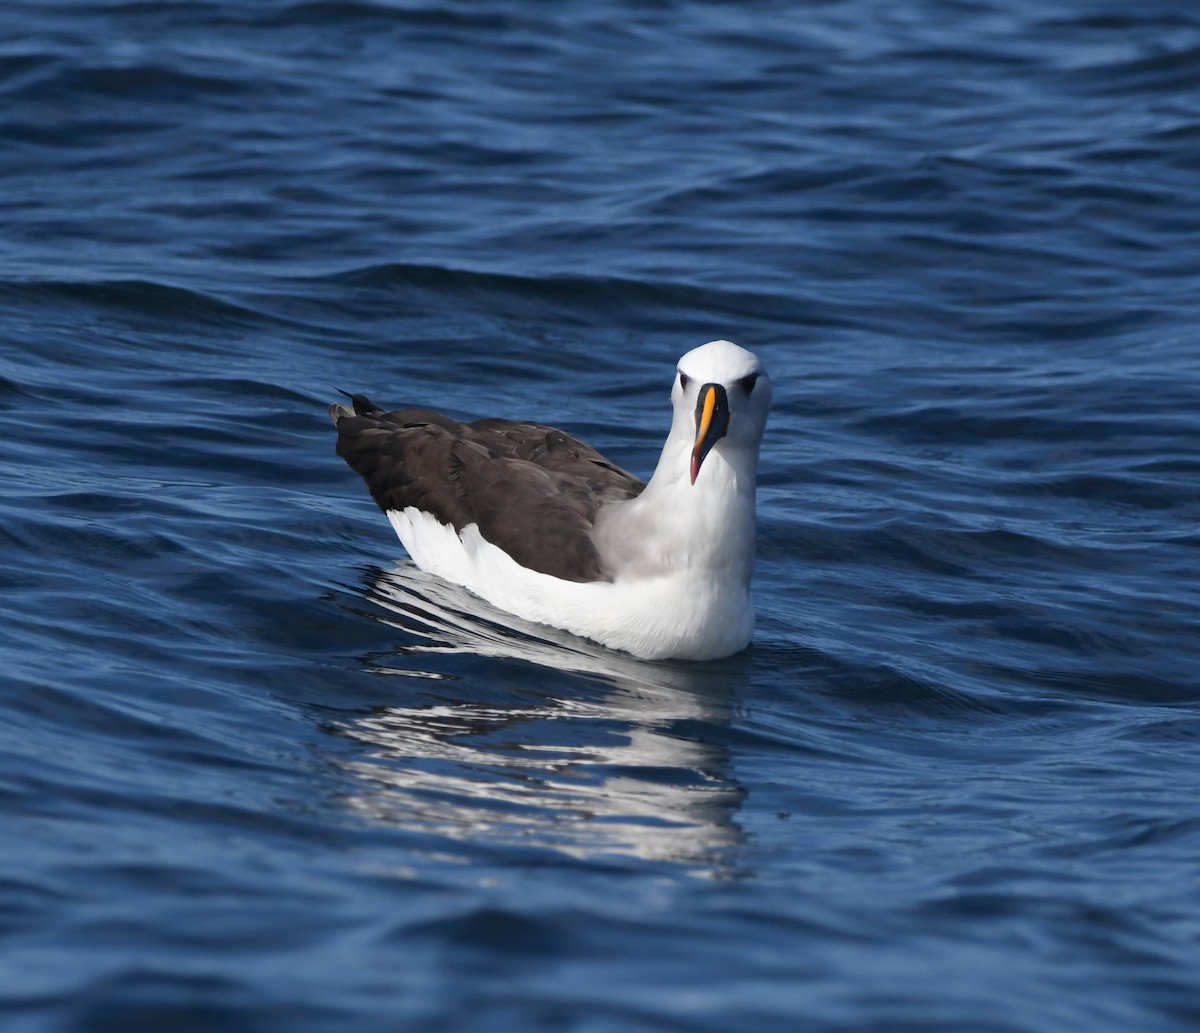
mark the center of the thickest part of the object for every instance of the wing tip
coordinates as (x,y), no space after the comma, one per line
(360,405)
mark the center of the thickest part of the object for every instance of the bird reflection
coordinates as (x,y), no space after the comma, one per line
(552,743)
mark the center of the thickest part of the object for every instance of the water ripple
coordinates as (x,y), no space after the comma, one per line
(257,771)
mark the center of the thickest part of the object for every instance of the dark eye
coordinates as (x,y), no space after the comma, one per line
(747,383)
(683,380)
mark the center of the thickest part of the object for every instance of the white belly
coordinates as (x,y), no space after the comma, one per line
(684,615)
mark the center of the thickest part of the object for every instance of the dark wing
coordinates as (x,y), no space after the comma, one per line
(532,490)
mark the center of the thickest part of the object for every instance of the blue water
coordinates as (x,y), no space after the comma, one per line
(257,774)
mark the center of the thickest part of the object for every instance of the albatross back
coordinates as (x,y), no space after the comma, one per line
(532,490)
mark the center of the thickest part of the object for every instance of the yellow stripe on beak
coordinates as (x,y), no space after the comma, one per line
(710,405)
(702,427)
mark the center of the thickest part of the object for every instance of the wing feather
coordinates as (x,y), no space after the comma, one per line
(533,491)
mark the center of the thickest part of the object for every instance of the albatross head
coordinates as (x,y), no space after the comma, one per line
(721,397)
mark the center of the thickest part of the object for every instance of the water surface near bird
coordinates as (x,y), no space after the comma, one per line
(259,773)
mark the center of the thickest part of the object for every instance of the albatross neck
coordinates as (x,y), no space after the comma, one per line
(675,526)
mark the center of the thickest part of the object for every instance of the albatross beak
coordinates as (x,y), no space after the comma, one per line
(712,422)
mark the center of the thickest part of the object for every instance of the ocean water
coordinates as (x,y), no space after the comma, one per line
(257,773)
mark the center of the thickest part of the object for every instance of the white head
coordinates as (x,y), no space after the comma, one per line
(721,398)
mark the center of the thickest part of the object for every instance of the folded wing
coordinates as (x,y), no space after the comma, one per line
(532,490)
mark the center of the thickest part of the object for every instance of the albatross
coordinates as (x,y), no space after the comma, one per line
(543,526)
